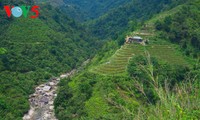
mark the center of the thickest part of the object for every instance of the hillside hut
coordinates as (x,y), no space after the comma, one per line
(135,39)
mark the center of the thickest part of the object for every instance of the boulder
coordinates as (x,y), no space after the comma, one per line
(46,88)
(51,83)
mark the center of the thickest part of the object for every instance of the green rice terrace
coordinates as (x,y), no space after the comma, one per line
(117,63)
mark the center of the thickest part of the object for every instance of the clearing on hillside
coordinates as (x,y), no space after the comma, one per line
(117,64)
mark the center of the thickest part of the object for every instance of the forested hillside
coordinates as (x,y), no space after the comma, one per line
(157,81)
(183,28)
(149,89)
(34,50)
(82,10)
(128,16)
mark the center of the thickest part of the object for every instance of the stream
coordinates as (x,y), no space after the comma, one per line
(42,101)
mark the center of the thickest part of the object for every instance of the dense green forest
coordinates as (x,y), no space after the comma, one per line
(34,50)
(82,10)
(183,28)
(160,80)
(127,17)
(151,89)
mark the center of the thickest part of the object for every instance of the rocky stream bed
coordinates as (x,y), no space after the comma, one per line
(42,101)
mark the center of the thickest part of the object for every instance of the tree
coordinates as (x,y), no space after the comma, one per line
(2,51)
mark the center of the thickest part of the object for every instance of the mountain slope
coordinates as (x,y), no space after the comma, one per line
(34,51)
(149,86)
(163,84)
(82,10)
(117,64)
(116,21)
(183,28)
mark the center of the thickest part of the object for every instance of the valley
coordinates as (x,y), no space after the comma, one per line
(41,102)
(142,60)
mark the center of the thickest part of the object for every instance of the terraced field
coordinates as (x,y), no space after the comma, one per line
(117,63)
(167,53)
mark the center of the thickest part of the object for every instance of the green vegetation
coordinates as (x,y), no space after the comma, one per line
(183,28)
(151,86)
(90,9)
(129,17)
(117,64)
(34,50)
(157,81)
(2,51)
(173,90)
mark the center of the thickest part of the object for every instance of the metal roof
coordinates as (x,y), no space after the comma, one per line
(137,37)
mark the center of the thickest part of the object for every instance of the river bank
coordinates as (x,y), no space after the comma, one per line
(42,100)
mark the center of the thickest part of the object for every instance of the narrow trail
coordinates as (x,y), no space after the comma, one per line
(42,101)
